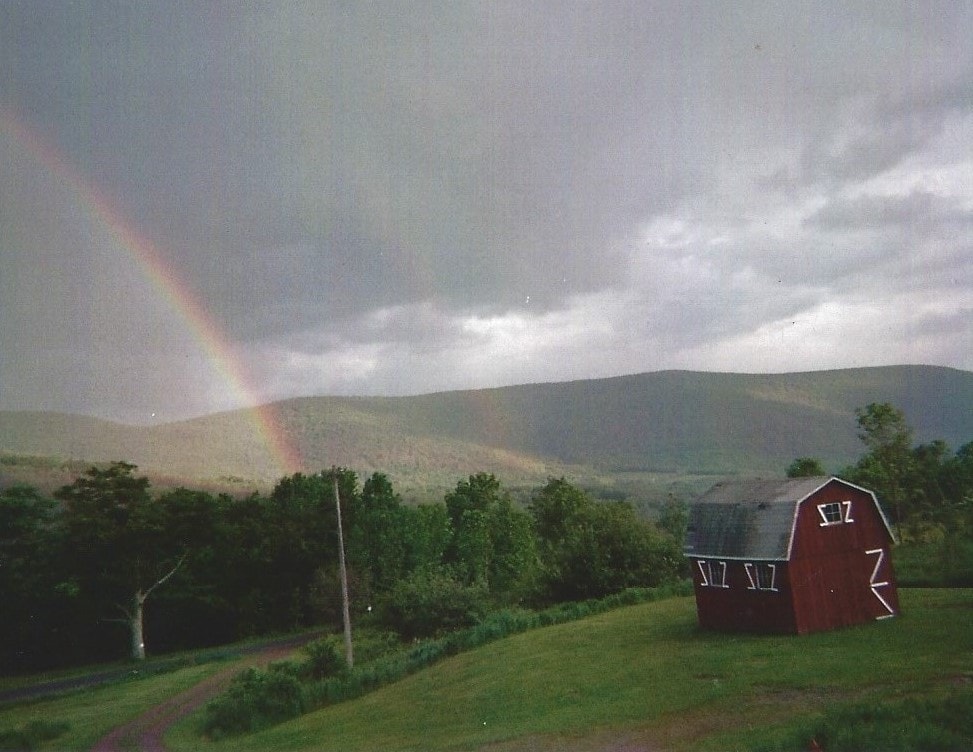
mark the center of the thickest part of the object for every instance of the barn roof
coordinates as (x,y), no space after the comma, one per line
(749,519)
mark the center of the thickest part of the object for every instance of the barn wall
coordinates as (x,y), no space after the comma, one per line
(831,569)
(739,607)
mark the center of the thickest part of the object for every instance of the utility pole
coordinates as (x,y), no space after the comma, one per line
(345,608)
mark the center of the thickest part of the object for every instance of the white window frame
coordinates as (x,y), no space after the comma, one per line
(757,582)
(828,510)
(706,569)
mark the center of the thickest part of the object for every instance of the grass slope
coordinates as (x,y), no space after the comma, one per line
(643,674)
(93,713)
(90,713)
(667,422)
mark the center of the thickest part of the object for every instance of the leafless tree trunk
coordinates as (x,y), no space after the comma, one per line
(134,615)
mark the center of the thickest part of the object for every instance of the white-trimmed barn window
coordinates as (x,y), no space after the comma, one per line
(761,576)
(835,513)
(713,573)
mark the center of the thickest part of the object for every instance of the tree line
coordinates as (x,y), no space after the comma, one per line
(108,568)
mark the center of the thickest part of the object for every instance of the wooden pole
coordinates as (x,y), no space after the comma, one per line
(345,608)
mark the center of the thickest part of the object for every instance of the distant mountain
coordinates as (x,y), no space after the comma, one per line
(675,422)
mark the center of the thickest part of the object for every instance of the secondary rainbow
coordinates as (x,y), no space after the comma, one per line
(165,279)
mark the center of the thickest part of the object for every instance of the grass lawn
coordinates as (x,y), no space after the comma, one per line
(639,673)
(92,713)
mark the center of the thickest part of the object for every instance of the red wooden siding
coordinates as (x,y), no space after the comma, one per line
(831,567)
(740,607)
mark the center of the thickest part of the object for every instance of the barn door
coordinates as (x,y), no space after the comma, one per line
(879,582)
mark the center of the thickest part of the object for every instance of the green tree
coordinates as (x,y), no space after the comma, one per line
(259,593)
(555,509)
(472,548)
(947,483)
(805,467)
(428,533)
(301,546)
(28,560)
(117,543)
(590,549)
(674,519)
(492,544)
(431,600)
(378,542)
(514,563)
(930,466)
(958,476)
(888,467)
(468,507)
(199,606)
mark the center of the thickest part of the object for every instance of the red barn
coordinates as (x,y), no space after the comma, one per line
(790,556)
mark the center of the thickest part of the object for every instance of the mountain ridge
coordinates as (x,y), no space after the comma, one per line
(673,421)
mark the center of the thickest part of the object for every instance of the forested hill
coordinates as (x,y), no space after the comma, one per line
(670,421)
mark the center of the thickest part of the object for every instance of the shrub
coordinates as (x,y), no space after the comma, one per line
(255,700)
(430,601)
(325,658)
(372,643)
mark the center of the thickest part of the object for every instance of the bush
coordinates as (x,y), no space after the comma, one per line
(430,601)
(256,699)
(372,643)
(325,658)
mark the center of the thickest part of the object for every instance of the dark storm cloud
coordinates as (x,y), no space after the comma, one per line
(477,193)
(479,155)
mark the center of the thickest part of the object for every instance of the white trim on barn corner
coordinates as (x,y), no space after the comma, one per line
(875,585)
(881,512)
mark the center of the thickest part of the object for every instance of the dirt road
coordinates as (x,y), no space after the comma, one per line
(145,732)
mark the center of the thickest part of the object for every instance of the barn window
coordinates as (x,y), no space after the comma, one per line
(761,576)
(835,513)
(713,573)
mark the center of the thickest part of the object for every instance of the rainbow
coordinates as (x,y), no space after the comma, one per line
(219,349)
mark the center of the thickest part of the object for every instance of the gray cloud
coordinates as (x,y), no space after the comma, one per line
(389,199)
(918,212)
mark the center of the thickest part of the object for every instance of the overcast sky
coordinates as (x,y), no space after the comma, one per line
(399,198)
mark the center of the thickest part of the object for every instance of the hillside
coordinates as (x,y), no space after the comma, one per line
(670,422)
(642,677)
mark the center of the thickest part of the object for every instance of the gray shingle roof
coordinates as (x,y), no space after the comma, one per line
(747,519)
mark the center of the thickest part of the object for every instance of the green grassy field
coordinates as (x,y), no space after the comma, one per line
(638,676)
(643,674)
(91,714)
